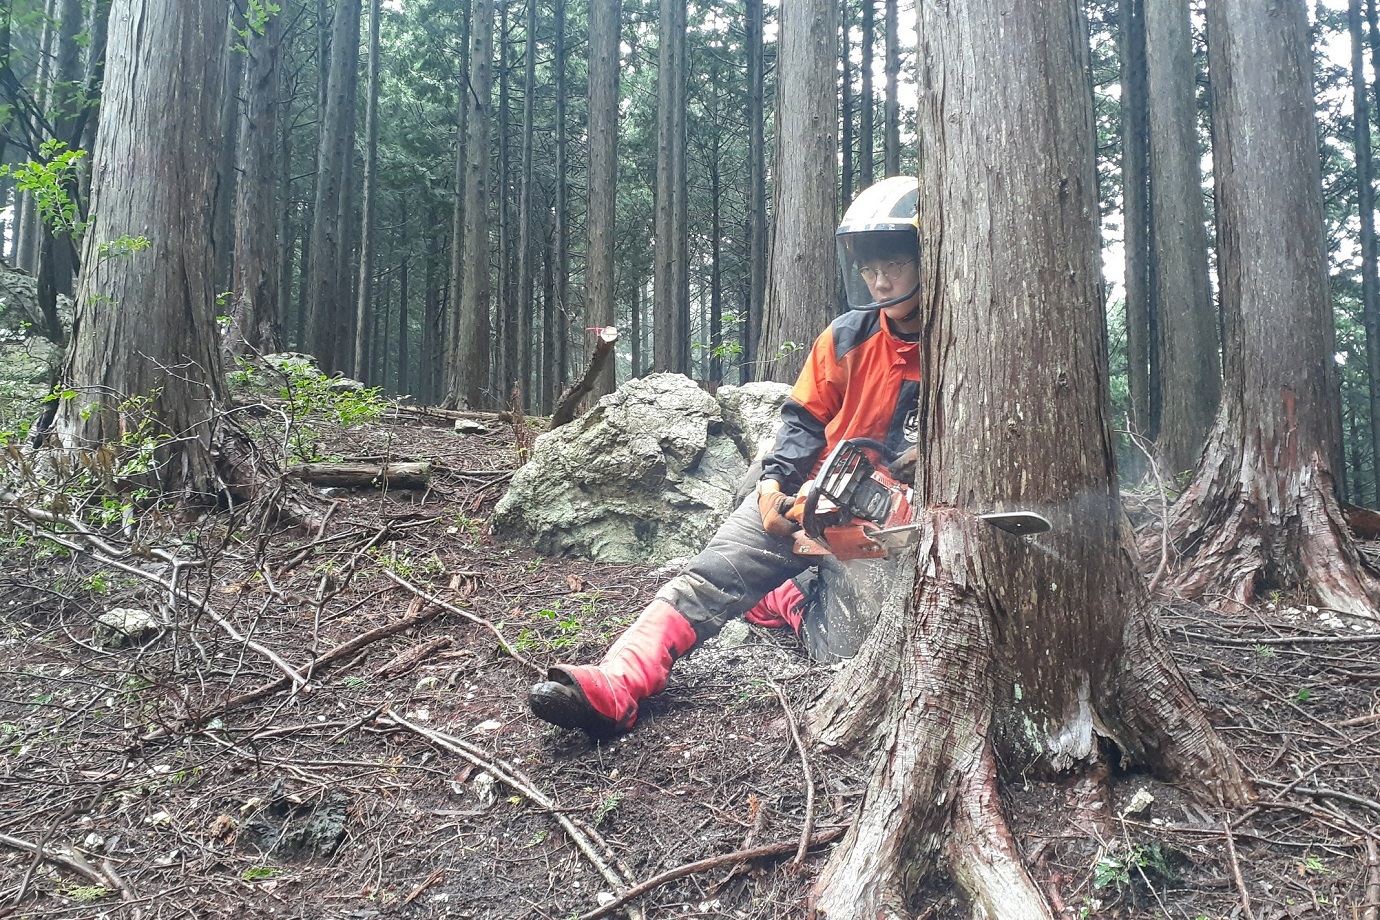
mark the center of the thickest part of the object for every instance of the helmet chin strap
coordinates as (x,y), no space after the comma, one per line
(894,301)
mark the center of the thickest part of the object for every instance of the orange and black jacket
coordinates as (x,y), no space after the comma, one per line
(861,381)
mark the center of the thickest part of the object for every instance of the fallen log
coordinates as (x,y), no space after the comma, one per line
(360,475)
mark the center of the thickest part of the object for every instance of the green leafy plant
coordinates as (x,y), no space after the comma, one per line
(1303,695)
(85,894)
(260,873)
(49,179)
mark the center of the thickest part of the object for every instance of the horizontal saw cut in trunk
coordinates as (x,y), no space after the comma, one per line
(1006,654)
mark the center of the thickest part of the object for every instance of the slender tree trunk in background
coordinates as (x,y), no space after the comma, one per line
(227,171)
(1027,654)
(526,288)
(505,355)
(1186,320)
(1135,172)
(891,115)
(757,192)
(30,226)
(347,271)
(382,340)
(145,324)
(326,307)
(1260,512)
(430,376)
(801,291)
(404,343)
(260,247)
(301,328)
(371,162)
(605,18)
(1370,274)
(715,372)
(561,270)
(846,101)
(867,98)
(287,232)
(670,305)
(456,274)
(470,363)
(547,369)
(97,26)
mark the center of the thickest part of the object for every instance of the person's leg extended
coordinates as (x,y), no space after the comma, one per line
(741,563)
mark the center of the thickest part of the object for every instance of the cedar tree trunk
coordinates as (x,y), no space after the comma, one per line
(1260,513)
(1007,651)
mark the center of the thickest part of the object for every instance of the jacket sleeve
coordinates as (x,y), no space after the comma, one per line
(815,399)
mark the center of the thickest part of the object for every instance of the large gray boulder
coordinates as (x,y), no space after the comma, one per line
(645,476)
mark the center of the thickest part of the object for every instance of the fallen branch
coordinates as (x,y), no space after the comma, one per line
(808,830)
(1372,905)
(410,658)
(583,837)
(70,860)
(361,475)
(477,620)
(605,339)
(1236,874)
(713,862)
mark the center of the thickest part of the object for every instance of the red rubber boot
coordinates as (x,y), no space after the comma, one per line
(602,699)
(783,606)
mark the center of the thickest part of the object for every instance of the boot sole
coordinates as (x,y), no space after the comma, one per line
(567,707)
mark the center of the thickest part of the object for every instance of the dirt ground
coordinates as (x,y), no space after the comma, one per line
(183,775)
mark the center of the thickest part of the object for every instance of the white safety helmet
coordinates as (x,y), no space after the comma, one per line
(880,224)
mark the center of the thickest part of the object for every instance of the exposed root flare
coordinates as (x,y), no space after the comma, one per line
(1235,536)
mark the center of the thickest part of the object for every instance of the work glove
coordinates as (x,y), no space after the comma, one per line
(773,504)
(902,469)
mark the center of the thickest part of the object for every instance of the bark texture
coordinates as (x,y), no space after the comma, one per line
(1260,512)
(604,28)
(1008,651)
(1135,177)
(145,326)
(1186,326)
(803,277)
(671,282)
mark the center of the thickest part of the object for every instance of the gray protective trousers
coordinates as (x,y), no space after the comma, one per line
(742,562)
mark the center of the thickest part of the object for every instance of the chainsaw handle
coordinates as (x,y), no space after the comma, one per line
(808,519)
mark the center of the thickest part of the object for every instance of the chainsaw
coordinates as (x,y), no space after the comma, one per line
(855,509)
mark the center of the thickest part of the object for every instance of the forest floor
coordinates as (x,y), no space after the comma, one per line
(183,775)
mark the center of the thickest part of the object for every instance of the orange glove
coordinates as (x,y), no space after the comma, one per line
(773,504)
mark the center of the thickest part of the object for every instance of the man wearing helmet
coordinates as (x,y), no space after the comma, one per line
(861,380)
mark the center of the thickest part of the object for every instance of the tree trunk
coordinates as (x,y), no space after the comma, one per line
(867,98)
(470,363)
(227,175)
(430,377)
(561,269)
(1025,653)
(371,162)
(526,288)
(846,102)
(801,292)
(144,345)
(505,354)
(670,301)
(259,249)
(1186,320)
(602,185)
(757,190)
(891,112)
(1260,512)
(325,295)
(1135,178)
(1370,272)
(404,344)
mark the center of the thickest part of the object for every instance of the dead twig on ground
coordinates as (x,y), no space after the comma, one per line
(713,862)
(71,860)
(478,620)
(584,837)
(808,830)
(1236,873)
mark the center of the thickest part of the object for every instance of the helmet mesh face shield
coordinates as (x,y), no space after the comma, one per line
(879,228)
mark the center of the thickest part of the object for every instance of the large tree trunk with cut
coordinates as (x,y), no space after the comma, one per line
(803,277)
(1186,327)
(1006,650)
(1260,512)
(602,187)
(144,344)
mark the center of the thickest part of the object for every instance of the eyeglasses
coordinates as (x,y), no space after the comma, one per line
(890,271)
